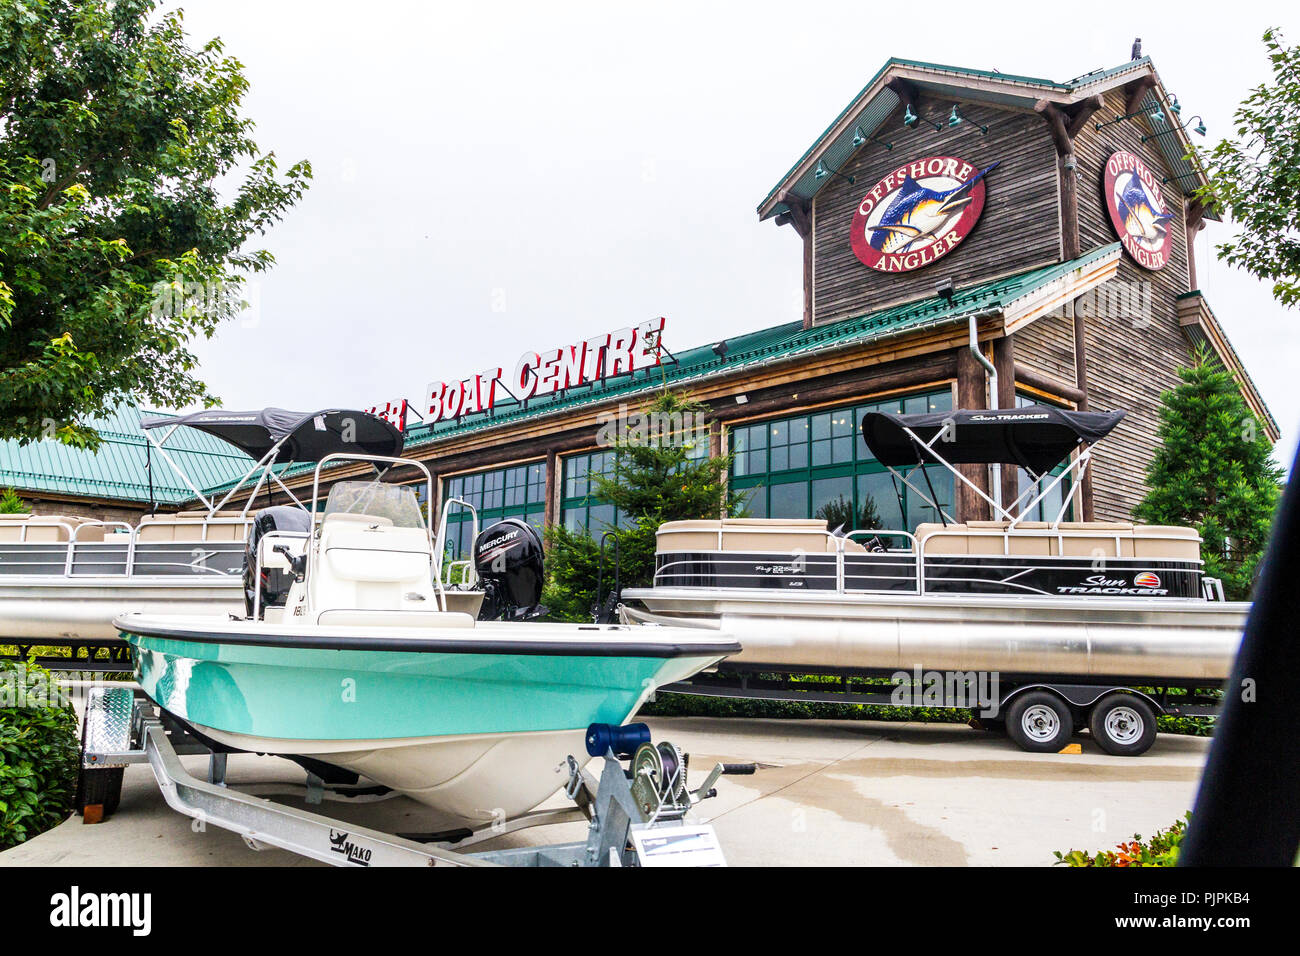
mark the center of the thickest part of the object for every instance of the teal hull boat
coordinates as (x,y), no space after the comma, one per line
(473,718)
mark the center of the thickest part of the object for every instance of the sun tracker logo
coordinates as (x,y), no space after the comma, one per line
(1147,579)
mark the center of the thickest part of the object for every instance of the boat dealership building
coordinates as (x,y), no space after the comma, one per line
(968,239)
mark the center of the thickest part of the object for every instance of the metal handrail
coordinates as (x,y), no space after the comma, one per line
(257,579)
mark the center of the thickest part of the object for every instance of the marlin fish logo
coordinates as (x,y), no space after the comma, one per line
(918,213)
(1142,220)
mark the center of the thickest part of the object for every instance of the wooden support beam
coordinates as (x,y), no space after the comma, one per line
(972,391)
(1004,360)
(1046,383)
(1195,217)
(800,216)
(1136,90)
(551,512)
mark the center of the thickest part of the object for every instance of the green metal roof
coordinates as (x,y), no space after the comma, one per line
(869,115)
(118,470)
(766,346)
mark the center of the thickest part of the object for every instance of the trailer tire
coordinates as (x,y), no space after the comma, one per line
(1123,725)
(102,787)
(1039,722)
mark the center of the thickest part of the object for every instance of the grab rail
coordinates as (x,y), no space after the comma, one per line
(67,553)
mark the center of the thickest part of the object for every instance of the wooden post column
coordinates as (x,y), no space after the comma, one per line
(800,216)
(1195,213)
(1064,123)
(972,391)
(550,515)
(1004,360)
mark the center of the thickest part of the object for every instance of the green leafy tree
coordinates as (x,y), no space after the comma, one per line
(116,246)
(1255,177)
(11,504)
(1213,470)
(656,478)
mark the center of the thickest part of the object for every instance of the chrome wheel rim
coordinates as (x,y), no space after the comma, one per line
(1123,725)
(1040,722)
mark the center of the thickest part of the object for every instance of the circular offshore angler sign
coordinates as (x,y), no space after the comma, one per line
(918,213)
(1137,210)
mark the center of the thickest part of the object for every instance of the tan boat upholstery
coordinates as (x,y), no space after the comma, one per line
(785,535)
(1077,539)
(174,528)
(38,529)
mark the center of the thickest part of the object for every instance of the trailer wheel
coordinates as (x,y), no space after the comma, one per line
(1039,722)
(101,788)
(1123,725)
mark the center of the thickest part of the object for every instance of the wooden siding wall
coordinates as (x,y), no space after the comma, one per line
(1047,346)
(1132,356)
(1019,228)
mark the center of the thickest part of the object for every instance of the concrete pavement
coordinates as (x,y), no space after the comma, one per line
(838,793)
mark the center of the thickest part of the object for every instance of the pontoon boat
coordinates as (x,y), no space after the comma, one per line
(1096,604)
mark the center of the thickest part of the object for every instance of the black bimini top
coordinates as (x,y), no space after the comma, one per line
(1035,437)
(307,437)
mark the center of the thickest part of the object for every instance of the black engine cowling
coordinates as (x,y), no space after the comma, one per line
(508,560)
(275,583)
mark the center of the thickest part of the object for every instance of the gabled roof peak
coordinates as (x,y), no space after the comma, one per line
(868,111)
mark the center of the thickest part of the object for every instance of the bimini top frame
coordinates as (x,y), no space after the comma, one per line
(1034,437)
(274,436)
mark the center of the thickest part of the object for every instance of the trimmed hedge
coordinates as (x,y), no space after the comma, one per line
(39,753)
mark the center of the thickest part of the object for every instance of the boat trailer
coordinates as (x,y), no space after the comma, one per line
(636,813)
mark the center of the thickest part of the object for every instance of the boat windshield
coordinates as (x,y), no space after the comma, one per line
(376,499)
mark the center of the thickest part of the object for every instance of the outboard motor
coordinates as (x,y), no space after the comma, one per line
(275,583)
(508,560)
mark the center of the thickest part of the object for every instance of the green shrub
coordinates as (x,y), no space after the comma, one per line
(1160,850)
(39,753)
(11,504)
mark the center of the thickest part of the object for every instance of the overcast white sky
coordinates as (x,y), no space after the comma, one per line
(495,177)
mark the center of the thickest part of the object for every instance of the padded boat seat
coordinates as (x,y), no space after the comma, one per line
(785,535)
(1081,539)
(174,528)
(40,529)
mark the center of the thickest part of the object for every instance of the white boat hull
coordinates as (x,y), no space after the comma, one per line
(475,779)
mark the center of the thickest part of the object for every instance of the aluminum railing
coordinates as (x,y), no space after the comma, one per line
(1211,587)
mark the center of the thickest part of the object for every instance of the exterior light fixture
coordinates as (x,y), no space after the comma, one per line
(1199,128)
(910,118)
(821,171)
(955,119)
(742,399)
(1174,104)
(1155,115)
(859,137)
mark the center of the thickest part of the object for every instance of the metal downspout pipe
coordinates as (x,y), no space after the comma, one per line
(992,401)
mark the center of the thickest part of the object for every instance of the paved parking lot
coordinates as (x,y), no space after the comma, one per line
(827,793)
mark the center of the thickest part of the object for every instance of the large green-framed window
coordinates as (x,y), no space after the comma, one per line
(1047,509)
(581,509)
(817,465)
(518,491)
